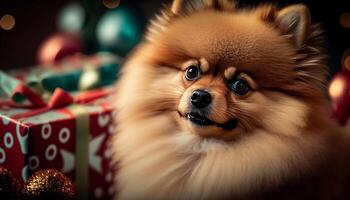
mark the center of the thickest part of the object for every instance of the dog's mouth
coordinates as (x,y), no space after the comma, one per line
(199,120)
(204,121)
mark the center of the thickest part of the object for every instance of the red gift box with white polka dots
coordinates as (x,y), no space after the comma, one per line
(49,140)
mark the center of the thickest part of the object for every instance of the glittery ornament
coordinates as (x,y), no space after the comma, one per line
(48,185)
(9,186)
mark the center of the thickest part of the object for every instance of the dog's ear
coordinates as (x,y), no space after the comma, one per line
(222,4)
(186,6)
(180,6)
(295,21)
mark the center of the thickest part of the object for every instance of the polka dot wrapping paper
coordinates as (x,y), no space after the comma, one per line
(72,139)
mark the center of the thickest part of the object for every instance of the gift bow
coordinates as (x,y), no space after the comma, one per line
(17,91)
(59,99)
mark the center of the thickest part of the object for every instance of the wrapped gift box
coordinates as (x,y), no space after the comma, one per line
(78,72)
(69,133)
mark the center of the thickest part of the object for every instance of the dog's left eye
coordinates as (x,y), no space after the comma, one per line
(239,86)
(192,73)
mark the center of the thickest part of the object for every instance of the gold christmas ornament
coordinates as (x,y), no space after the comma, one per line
(49,185)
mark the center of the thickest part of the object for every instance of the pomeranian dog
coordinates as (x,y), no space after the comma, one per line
(220,102)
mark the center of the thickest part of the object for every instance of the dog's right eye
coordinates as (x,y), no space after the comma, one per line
(240,87)
(192,73)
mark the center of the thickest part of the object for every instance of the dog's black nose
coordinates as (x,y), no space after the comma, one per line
(200,98)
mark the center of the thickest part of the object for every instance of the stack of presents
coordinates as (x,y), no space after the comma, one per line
(60,117)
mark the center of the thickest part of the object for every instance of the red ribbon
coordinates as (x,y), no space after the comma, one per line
(33,98)
(59,99)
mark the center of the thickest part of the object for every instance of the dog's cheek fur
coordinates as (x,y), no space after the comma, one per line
(271,111)
(285,115)
(148,88)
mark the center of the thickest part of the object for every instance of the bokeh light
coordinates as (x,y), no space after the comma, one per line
(72,18)
(7,22)
(111,3)
(119,30)
(336,88)
(50,50)
(88,79)
(345,61)
(345,20)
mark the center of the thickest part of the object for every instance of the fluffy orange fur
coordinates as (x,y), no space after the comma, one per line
(284,146)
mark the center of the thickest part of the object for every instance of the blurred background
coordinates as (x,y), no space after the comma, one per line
(29,28)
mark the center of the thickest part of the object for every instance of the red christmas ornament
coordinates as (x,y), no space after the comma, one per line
(57,47)
(339,91)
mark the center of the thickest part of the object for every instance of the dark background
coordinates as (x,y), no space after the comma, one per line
(36,20)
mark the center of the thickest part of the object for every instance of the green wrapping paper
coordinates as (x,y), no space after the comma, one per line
(76,79)
(90,73)
(8,85)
